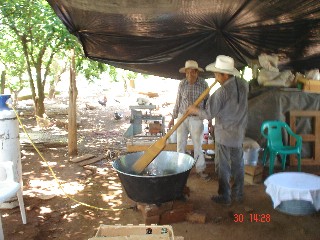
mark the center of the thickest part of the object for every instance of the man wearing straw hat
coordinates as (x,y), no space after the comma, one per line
(189,90)
(229,106)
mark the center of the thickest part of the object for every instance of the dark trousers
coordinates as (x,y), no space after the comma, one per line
(229,163)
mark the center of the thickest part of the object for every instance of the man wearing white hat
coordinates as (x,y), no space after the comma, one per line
(229,106)
(189,90)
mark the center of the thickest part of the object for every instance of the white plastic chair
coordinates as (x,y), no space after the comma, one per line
(8,189)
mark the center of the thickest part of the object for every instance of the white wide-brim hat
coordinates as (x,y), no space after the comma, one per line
(223,64)
(192,65)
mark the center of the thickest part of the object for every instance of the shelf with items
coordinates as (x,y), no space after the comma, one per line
(312,138)
(144,122)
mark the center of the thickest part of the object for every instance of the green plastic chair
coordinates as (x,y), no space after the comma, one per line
(272,131)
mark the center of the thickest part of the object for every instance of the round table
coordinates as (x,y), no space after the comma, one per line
(288,186)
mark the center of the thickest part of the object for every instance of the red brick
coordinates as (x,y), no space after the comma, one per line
(187,206)
(173,216)
(167,206)
(148,210)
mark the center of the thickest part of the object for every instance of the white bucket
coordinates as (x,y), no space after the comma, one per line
(205,132)
(251,151)
(10,149)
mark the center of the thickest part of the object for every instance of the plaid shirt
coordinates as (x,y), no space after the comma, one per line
(188,94)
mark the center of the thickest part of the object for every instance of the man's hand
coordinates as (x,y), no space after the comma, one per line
(192,110)
(171,123)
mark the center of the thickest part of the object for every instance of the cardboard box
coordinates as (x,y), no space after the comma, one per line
(253,170)
(134,232)
(309,85)
(249,179)
(253,174)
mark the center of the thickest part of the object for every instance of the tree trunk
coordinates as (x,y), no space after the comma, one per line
(72,112)
(52,91)
(40,109)
(54,82)
(15,96)
(3,81)
(33,92)
(39,105)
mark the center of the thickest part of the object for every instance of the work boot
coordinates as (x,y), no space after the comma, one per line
(221,200)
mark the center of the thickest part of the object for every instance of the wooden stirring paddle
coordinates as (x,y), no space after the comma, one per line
(153,151)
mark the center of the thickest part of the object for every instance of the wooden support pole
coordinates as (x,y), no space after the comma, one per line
(72,111)
(3,81)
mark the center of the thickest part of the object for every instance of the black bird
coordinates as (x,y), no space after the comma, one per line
(117,115)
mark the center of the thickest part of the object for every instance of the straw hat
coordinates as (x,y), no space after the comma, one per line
(192,65)
(223,64)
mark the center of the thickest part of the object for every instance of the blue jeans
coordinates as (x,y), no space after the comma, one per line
(229,163)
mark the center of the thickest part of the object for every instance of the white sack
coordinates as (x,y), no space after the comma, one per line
(284,79)
(269,62)
(266,76)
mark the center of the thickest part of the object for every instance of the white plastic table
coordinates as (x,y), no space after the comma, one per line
(293,186)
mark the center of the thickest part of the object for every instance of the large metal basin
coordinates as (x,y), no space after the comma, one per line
(162,181)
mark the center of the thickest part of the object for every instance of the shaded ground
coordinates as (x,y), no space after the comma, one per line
(53,215)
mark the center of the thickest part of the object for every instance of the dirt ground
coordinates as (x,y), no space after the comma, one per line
(56,214)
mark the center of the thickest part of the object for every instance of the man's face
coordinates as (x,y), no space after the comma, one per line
(221,77)
(217,76)
(191,75)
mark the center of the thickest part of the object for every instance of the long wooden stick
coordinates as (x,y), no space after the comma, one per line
(153,151)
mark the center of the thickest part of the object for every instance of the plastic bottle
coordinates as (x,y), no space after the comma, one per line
(205,132)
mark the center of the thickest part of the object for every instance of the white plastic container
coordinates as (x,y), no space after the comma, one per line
(10,145)
(205,127)
(205,132)
(251,150)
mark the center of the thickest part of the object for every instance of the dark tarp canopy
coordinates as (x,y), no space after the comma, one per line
(158,36)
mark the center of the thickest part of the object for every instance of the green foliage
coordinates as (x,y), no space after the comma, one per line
(36,33)
(132,75)
(12,62)
(113,73)
(33,31)
(11,58)
(89,68)
(32,38)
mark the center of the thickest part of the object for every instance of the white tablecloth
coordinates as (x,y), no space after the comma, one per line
(293,186)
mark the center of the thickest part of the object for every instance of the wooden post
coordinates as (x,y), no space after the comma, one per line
(3,81)
(72,111)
